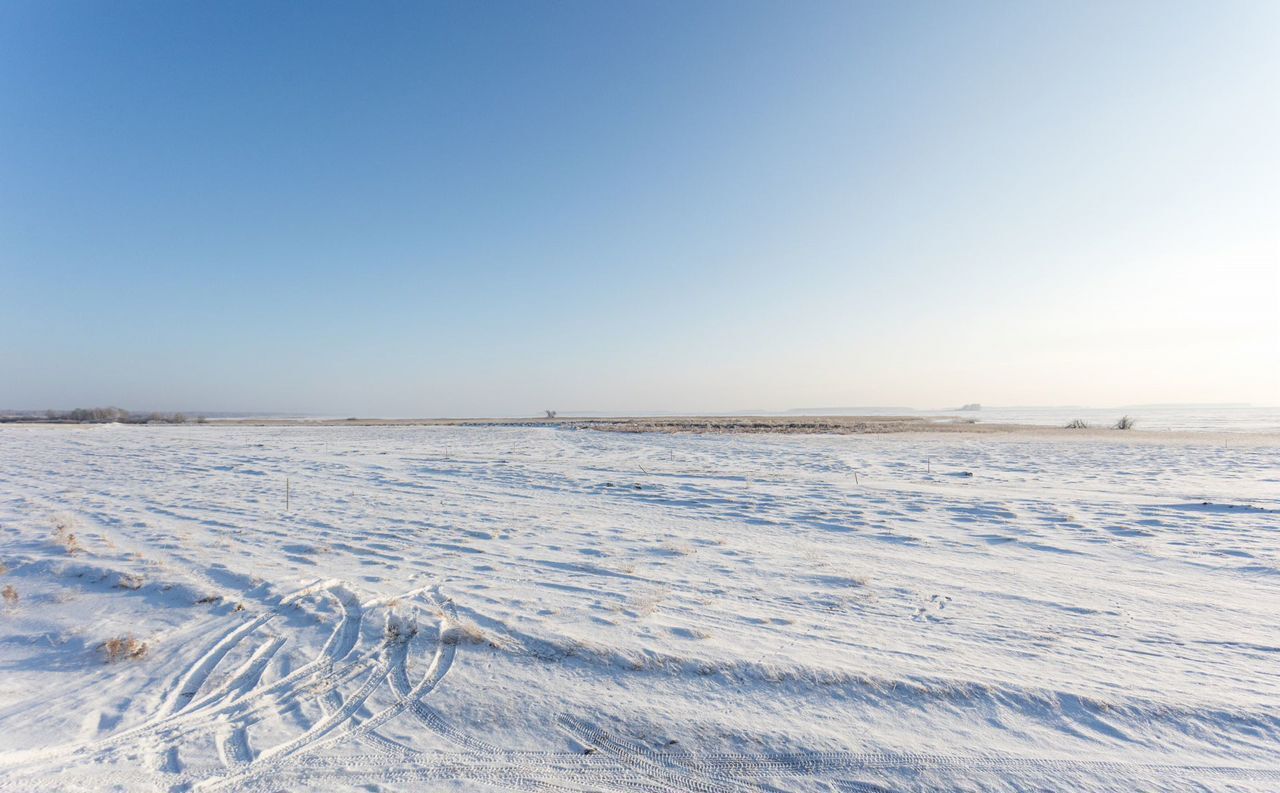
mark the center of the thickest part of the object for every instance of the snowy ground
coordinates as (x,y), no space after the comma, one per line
(543,609)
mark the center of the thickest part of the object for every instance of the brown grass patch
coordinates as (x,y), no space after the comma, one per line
(124,648)
(462,631)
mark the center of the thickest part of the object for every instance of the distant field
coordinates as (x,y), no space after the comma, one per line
(783,425)
(669,424)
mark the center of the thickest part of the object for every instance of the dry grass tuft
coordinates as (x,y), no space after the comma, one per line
(399,630)
(129,581)
(10,595)
(124,648)
(467,632)
(647,602)
(63,535)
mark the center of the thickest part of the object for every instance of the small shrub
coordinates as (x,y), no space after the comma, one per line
(1077,424)
(10,595)
(123,648)
(1126,423)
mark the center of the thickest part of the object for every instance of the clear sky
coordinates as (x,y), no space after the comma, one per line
(493,208)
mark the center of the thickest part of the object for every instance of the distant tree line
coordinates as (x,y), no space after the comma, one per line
(88,415)
(105,415)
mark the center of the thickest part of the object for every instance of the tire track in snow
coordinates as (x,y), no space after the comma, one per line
(649,763)
(173,714)
(271,760)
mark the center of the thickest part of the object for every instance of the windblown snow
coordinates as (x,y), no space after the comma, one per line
(556,610)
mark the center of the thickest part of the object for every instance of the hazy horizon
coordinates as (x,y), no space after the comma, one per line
(466,210)
(834,410)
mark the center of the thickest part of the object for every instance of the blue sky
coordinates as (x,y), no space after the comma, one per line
(492,208)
